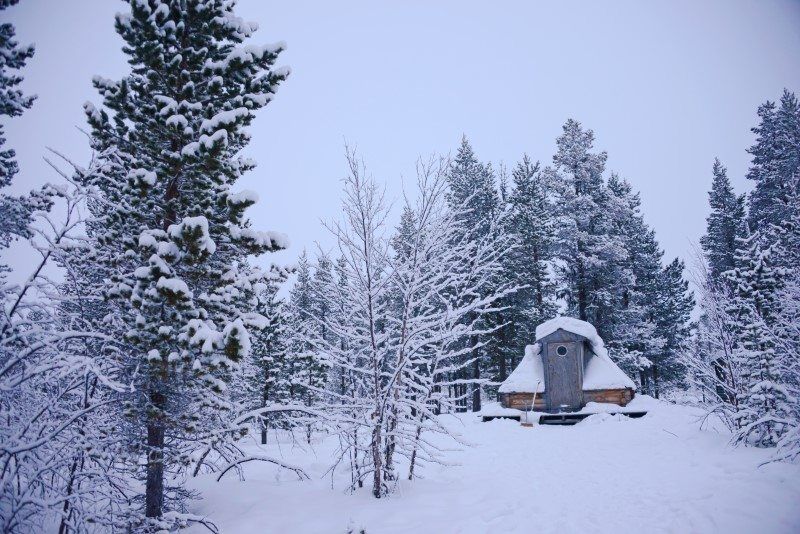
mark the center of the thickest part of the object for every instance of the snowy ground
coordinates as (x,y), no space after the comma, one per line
(660,473)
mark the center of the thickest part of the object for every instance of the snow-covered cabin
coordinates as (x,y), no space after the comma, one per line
(565,368)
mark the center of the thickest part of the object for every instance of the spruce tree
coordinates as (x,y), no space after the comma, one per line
(171,234)
(724,225)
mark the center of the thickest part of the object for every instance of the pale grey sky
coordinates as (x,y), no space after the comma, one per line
(665,85)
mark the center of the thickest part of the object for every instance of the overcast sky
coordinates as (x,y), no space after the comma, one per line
(666,86)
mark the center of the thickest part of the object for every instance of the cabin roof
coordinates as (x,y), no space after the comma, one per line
(600,372)
(576,326)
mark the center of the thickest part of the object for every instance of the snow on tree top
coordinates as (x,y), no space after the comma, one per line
(600,372)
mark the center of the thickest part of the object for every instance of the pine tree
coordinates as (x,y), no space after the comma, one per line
(12,101)
(635,340)
(588,246)
(300,317)
(172,236)
(531,223)
(673,319)
(15,213)
(321,284)
(473,195)
(724,225)
(764,399)
(307,372)
(775,168)
(265,375)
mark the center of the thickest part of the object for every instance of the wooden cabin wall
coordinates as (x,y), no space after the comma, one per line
(615,396)
(522,401)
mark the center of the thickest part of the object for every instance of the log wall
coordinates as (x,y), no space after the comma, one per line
(614,396)
(522,401)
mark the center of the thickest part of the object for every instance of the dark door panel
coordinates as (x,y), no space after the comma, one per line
(563,376)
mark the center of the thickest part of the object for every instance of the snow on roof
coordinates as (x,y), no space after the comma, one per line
(600,373)
(528,377)
(576,326)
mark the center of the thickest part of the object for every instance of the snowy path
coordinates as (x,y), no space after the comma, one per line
(656,474)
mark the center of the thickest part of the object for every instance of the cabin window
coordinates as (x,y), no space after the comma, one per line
(561,350)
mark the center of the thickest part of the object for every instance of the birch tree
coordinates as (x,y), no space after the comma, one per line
(410,307)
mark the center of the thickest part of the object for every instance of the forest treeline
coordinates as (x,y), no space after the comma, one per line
(161,348)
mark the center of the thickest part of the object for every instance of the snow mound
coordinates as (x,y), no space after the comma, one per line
(600,418)
(494,409)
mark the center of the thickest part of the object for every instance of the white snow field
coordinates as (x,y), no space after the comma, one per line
(661,473)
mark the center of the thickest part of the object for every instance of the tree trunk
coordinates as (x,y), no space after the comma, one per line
(154,486)
(377,461)
(476,388)
(581,293)
(67,511)
(655,381)
(644,381)
(77,464)
(154,490)
(414,452)
(504,341)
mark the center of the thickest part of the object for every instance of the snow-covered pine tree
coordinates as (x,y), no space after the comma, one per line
(474,198)
(724,225)
(321,284)
(635,341)
(302,327)
(672,316)
(764,403)
(773,213)
(746,362)
(775,168)
(173,235)
(15,212)
(588,246)
(264,376)
(531,223)
(714,365)
(307,372)
(786,332)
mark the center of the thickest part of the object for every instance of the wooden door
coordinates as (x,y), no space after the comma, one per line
(564,376)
